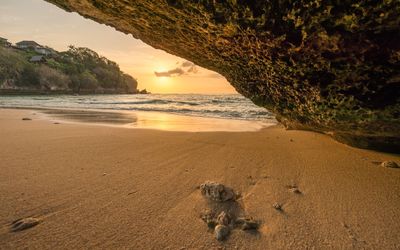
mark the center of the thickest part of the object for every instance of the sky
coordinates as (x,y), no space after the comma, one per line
(155,70)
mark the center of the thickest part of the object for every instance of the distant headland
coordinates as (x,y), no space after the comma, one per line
(30,68)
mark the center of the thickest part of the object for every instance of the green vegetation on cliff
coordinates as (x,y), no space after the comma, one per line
(78,70)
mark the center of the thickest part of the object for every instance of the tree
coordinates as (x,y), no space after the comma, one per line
(52,79)
(29,76)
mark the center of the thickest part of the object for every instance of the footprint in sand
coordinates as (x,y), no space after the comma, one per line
(24,223)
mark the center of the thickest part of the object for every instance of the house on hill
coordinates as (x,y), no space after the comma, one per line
(37,59)
(45,51)
(4,42)
(28,45)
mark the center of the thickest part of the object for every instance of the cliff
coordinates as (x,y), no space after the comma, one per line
(78,70)
(328,66)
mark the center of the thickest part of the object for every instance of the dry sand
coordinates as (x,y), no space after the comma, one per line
(106,187)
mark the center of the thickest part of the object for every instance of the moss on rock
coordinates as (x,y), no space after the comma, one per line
(326,65)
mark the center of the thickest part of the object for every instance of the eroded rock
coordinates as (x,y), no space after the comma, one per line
(216,192)
(224,213)
(208,216)
(324,67)
(221,232)
(223,219)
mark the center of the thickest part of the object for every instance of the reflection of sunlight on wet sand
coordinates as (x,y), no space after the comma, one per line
(151,120)
(171,122)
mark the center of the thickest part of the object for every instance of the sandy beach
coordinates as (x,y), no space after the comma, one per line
(109,187)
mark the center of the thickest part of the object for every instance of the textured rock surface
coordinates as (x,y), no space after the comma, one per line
(221,232)
(216,192)
(325,65)
(223,219)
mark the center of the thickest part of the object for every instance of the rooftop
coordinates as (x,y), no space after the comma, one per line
(27,43)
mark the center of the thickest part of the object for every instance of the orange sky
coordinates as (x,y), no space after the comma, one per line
(48,25)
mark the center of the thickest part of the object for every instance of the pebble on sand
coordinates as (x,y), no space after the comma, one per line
(221,232)
(24,223)
(390,164)
(277,206)
(295,190)
(26,119)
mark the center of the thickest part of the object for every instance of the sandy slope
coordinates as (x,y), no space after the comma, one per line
(103,187)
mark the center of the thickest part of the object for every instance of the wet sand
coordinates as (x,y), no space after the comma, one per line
(109,187)
(151,120)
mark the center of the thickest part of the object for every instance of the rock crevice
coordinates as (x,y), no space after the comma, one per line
(327,66)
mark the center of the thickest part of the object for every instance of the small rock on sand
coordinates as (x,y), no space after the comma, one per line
(216,192)
(390,164)
(24,223)
(208,217)
(26,119)
(277,206)
(294,189)
(248,224)
(221,232)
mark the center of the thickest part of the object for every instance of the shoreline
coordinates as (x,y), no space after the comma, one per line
(133,119)
(107,187)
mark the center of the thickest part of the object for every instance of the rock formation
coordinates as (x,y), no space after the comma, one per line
(216,192)
(224,213)
(325,65)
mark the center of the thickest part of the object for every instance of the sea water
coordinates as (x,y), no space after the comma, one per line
(212,106)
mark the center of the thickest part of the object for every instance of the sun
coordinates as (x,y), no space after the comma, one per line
(163,79)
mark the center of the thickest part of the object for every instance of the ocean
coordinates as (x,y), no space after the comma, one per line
(233,107)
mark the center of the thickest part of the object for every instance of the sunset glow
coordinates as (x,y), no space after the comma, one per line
(48,25)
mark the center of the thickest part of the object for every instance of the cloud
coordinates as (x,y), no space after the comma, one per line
(170,73)
(184,68)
